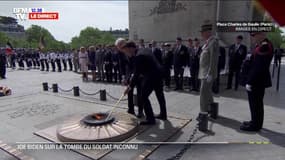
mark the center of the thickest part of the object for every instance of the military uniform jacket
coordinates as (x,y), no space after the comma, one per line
(208,65)
(52,56)
(259,74)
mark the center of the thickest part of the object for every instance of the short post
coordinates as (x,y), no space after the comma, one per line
(214,112)
(76,91)
(203,121)
(54,88)
(103,95)
(45,86)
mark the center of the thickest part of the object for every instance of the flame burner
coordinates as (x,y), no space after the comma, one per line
(98,127)
(98,119)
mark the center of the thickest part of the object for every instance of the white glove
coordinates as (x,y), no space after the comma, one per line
(248,87)
(209,78)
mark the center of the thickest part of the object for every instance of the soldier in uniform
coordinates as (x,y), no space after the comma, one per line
(37,58)
(75,59)
(47,60)
(33,57)
(13,59)
(20,58)
(237,53)
(3,61)
(64,57)
(42,61)
(180,61)
(208,67)
(29,59)
(257,80)
(70,57)
(146,65)
(58,61)
(52,56)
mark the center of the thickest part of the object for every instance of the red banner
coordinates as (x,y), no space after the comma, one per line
(44,16)
(276,9)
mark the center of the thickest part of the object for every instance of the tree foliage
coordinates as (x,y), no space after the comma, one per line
(276,37)
(36,34)
(91,36)
(3,39)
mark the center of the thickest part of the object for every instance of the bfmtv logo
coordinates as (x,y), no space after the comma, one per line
(22,14)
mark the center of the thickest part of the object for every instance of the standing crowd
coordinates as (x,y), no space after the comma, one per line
(149,67)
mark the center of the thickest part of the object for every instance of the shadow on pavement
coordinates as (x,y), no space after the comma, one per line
(274,137)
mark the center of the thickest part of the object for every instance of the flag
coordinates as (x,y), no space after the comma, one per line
(42,43)
(9,48)
(276,9)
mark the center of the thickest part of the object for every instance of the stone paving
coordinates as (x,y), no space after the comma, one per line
(18,120)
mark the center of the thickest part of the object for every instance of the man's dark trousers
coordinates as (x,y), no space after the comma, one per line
(255,98)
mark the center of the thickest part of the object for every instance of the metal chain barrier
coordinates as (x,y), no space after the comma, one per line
(65,90)
(86,93)
(89,94)
(114,98)
(178,155)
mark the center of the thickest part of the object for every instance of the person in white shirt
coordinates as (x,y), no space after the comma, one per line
(83,61)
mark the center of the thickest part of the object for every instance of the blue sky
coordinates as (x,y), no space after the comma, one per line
(74,15)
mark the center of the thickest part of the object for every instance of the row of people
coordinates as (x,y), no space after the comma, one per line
(146,74)
(109,64)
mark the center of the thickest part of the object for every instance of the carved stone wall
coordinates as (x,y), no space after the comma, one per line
(164,20)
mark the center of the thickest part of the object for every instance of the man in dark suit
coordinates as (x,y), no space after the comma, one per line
(180,60)
(221,66)
(108,64)
(147,67)
(237,53)
(194,64)
(167,60)
(156,51)
(116,65)
(127,68)
(258,79)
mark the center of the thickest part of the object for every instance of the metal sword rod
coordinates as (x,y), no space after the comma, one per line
(116,105)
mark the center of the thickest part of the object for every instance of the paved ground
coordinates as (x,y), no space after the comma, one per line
(18,119)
